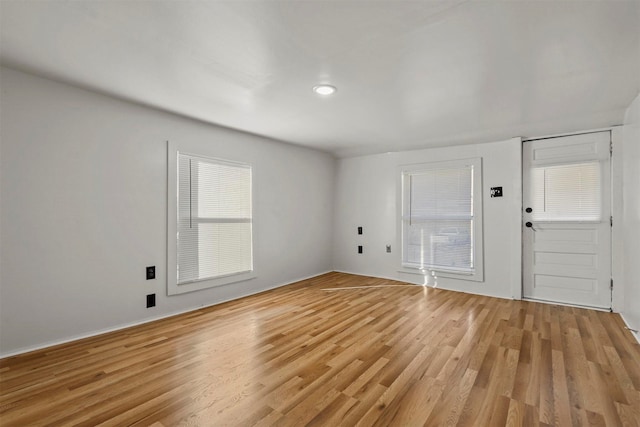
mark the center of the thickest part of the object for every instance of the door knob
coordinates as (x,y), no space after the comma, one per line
(528,210)
(529,224)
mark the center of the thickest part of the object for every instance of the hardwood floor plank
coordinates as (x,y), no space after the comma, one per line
(562,411)
(547,400)
(339,350)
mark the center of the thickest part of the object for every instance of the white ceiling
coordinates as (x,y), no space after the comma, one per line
(409,73)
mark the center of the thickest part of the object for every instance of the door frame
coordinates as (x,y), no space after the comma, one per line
(615,192)
(617,271)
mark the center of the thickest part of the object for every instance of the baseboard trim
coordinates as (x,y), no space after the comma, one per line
(635,334)
(376,277)
(444,288)
(566,304)
(120,327)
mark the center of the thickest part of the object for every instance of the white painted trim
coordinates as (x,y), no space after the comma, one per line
(173,287)
(636,335)
(557,135)
(516,242)
(142,322)
(566,304)
(376,277)
(350,288)
(425,286)
(617,250)
(477,164)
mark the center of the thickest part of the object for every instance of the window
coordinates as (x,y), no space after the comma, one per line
(567,192)
(442,218)
(212,226)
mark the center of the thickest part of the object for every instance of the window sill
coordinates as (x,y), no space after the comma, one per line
(474,276)
(176,289)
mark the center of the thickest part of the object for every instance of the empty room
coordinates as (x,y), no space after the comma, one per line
(315,212)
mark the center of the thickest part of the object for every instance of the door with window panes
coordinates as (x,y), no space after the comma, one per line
(566,220)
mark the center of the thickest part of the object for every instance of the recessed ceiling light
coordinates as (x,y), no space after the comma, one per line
(324,89)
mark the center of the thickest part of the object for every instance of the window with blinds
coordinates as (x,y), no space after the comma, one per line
(214,219)
(567,192)
(439,218)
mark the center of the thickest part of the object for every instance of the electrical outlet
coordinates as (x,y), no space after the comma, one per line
(360,249)
(151,272)
(151,300)
(388,248)
(359,230)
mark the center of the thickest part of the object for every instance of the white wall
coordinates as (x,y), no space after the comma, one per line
(366,196)
(631,214)
(83,211)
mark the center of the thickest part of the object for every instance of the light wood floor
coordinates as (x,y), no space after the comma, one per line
(314,354)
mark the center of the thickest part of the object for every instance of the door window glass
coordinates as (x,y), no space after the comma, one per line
(567,192)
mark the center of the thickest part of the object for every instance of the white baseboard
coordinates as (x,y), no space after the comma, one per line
(636,335)
(142,322)
(444,288)
(376,277)
(566,304)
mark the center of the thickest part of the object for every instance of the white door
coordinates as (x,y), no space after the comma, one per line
(566,220)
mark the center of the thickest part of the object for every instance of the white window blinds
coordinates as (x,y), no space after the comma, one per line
(438,218)
(567,192)
(214,219)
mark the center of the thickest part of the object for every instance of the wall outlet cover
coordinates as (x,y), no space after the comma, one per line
(151,272)
(151,300)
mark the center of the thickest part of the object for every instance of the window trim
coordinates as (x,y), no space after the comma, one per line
(173,287)
(477,274)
